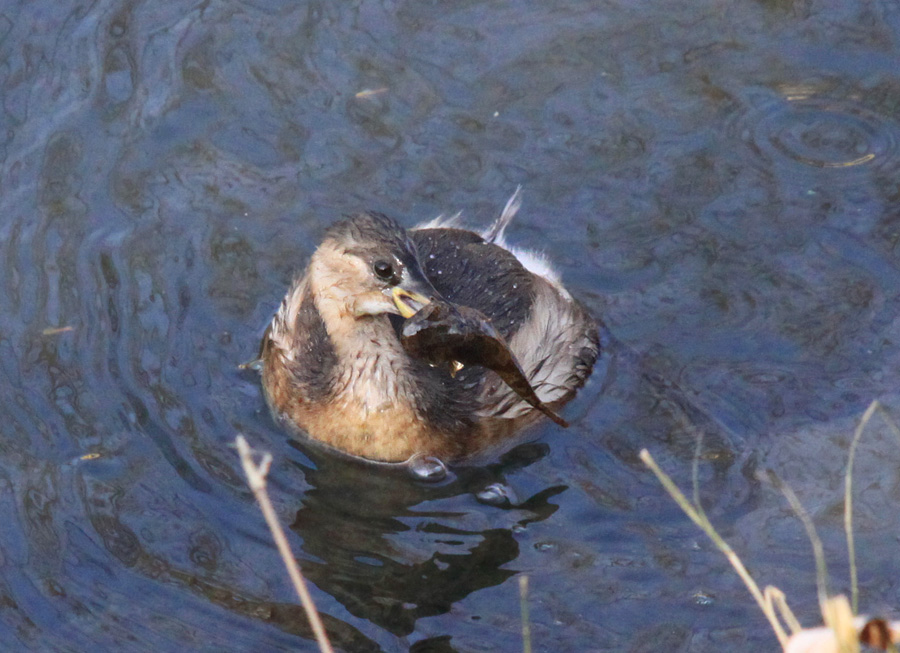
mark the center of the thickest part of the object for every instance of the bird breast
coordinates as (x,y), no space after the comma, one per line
(373,371)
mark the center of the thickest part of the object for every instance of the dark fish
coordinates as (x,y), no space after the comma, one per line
(442,332)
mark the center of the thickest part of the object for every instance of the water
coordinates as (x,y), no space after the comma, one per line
(717,180)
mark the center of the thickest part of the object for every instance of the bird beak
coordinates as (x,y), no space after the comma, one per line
(408,302)
(413,292)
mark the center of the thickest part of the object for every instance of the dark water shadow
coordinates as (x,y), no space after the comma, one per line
(393,550)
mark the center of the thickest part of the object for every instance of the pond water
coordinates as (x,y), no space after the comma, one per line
(718,180)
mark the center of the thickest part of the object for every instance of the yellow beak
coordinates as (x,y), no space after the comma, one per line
(408,302)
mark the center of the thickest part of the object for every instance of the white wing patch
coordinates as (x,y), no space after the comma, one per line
(537,263)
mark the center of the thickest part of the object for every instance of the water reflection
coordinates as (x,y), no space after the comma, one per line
(393,551)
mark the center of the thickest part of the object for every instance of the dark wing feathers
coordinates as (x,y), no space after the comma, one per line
(467,270)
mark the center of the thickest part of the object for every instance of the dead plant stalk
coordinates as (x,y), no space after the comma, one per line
(256,479)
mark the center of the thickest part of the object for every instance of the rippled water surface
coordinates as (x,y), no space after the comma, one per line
(718,180)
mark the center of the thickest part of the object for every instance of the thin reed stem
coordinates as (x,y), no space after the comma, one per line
(775,597)
(256,479)
(848,491)
(523,606)
(706,526)
(848,505)
(818,549)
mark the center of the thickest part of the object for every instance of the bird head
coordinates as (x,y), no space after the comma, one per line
(368,266)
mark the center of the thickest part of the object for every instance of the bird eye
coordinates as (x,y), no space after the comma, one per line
(383,269)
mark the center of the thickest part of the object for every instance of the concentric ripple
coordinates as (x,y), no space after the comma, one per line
(802,128)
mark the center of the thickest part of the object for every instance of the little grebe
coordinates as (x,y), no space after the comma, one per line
(334,365)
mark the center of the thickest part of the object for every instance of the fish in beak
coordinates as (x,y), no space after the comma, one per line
(441,332)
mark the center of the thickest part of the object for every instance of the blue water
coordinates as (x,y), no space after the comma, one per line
(718,181)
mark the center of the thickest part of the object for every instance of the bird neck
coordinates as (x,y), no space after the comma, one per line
(373,367)
(372,370)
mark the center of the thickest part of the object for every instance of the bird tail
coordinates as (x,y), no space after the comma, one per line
(494,233)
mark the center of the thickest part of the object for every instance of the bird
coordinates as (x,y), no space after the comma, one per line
(334,369)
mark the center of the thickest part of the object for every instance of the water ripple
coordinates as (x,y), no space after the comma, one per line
(802,125)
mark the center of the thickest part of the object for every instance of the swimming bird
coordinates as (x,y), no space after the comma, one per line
(333,365)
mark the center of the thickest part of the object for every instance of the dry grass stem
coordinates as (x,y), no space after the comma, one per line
(848,492)
(776,598)
(848,505)
(818,550)
(256,479)
(695,476)
(698,517)
(838,616)
(843,631)
(526,623)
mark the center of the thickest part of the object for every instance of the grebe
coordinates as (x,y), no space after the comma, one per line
(333,364)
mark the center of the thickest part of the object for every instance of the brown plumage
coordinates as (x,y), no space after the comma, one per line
(334,366)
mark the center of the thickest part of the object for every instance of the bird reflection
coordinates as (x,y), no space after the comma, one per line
(393,551)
